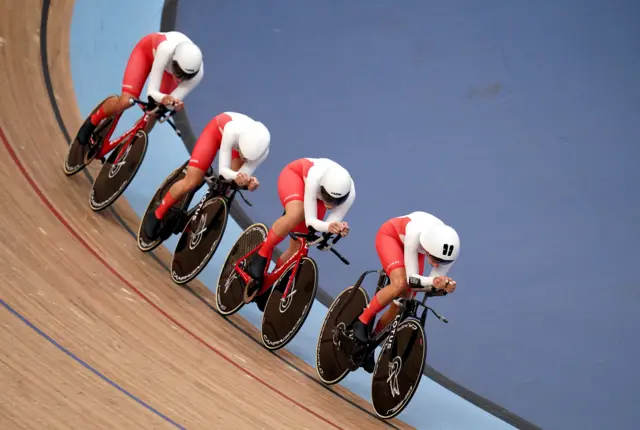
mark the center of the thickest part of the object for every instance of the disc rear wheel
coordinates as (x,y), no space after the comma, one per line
(332,358)
(199,240)
(118,171)
(79,156)
(230,286)
(144,243)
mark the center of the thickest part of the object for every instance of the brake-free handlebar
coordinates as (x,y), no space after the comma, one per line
(323,242)
(159,109)
(219,181)
(430,291)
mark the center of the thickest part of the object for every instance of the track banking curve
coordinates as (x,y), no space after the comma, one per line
(97,300)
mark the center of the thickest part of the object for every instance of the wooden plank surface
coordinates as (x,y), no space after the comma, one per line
(113,342)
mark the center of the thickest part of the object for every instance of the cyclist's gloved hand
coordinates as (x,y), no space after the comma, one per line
(445,283)
(253,183)
(167,100)
(242,179)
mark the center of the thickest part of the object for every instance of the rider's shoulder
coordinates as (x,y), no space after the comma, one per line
(175,37)
(239,117)
(423,218)
(323,163)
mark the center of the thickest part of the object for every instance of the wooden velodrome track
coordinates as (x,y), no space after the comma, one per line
(94,333)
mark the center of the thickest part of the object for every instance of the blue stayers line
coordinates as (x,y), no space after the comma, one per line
(96,372)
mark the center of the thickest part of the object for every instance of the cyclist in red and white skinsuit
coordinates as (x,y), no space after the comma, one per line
(243,144)
(307,188)
(173,64)
(403,244)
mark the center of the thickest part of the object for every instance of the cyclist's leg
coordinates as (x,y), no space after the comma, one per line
(391,253)
(135,75)
(202,156)
(294,245)
(294,211)
(394,308)
(294,214)
(390,313)
(291,193)
(282,226)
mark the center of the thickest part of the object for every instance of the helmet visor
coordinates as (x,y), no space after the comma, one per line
(331,200)
(181,74)
(440,261)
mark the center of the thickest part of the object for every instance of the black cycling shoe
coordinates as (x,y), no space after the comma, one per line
(85,132)
(369,363)
(152,226)
(361,331)
(256,268)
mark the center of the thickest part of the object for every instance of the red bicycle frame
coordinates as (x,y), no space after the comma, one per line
(270,278)
(140,124)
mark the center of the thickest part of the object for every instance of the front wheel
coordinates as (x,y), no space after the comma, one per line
(230,286)
(333,362)
(398,371)
(199,240)
(118,171)
(282,319)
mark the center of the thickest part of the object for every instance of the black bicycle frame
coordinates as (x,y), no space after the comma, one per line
(218,187)
(408,309)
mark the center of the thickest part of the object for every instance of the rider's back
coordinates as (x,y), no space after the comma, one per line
(423,220)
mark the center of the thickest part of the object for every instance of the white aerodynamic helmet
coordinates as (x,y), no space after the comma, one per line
(254,141)
(442,243)
(187,60)
(335,185)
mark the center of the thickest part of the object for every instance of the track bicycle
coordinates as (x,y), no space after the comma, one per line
(398,369)
(201,228)
(125,152)
(285,295)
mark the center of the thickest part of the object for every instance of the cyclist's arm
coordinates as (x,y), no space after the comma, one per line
(411,246)
(229,139)
(311,189)
(160,61)
(427,281)
(185,87)
(250,166)
(341,211)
